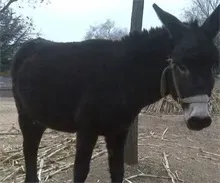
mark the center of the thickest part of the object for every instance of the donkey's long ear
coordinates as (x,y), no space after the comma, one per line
(212,24)
(175,27)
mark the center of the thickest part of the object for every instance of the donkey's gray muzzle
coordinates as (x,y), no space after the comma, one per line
(196,112)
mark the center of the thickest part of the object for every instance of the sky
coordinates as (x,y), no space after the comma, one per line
(68,20)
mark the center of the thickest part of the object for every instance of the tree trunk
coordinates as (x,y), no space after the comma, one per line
(131,146)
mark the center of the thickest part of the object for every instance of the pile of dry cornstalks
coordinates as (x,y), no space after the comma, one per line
(169,106)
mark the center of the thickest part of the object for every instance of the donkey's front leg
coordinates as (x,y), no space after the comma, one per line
(85,143)
(115,146)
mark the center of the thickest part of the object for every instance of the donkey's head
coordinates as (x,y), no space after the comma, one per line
(191,65)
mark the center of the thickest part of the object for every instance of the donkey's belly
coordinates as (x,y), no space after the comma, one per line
(62,125)
(52,112)
(53,120)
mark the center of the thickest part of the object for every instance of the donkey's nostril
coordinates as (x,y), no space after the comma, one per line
(199,122)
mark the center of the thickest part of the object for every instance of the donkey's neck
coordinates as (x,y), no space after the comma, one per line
(149,61)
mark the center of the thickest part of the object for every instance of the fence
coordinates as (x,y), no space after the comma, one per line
(5,86)
(4,70)
(5,73)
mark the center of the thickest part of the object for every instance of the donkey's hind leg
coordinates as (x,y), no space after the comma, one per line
(32,133)
(85,143)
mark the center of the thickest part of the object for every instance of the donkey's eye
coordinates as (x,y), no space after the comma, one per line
(215,69)
(182,68)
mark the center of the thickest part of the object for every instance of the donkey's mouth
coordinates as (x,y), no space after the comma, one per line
(196,114)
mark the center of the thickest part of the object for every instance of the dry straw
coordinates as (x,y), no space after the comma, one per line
(52,158)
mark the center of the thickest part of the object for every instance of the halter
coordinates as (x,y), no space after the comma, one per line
(193,99)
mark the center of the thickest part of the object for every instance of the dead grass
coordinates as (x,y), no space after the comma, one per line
(56,148)
(52,156)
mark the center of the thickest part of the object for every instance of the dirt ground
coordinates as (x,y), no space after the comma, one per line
(191,157)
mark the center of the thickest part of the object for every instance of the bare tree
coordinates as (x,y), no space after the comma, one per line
(200,9)
(5,4)
(14,30)
(106,30)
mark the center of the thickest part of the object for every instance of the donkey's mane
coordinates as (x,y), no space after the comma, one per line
(155,32)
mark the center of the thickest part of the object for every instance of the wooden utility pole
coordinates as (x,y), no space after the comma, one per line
(1,67)
(131,146)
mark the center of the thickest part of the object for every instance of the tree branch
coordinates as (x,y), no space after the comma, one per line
(202,5)
(7,5)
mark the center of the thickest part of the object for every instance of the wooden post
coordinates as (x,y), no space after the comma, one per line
(1,67)
(131,146)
